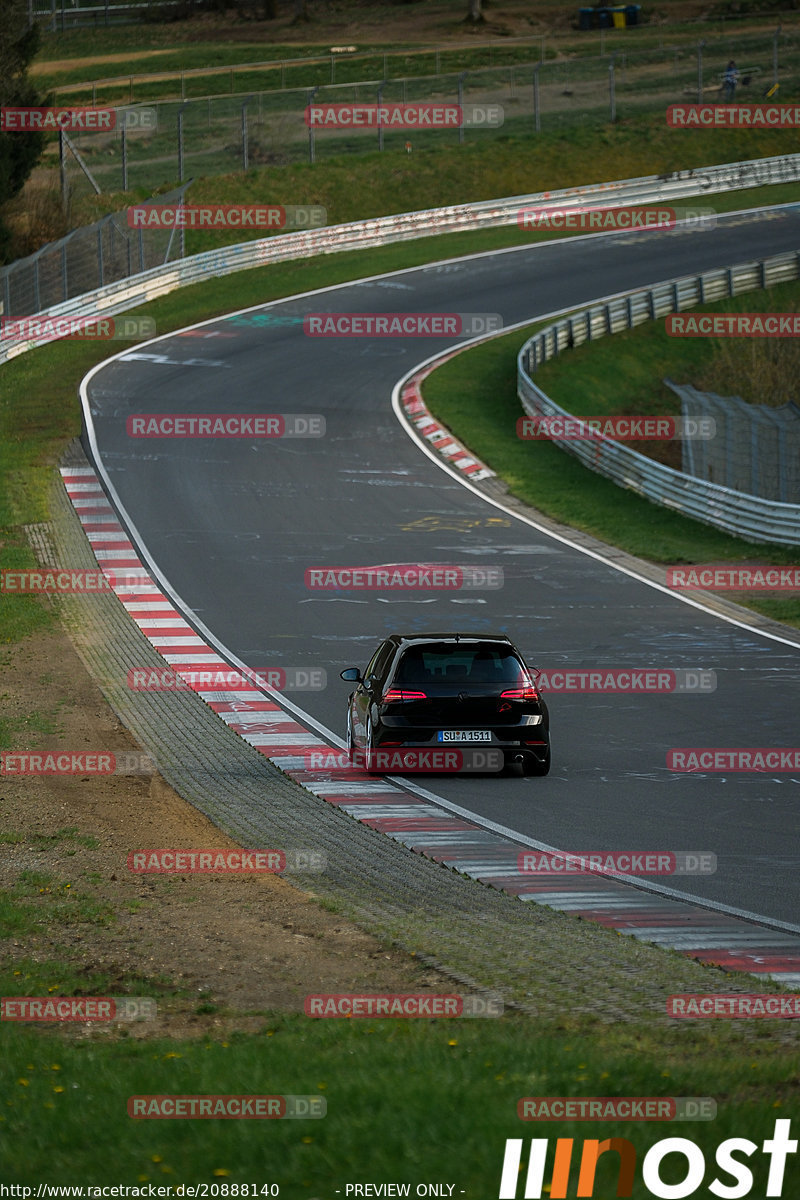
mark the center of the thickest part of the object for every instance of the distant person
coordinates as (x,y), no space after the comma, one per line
(731,80)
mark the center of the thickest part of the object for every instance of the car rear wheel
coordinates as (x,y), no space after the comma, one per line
(351,749)
(539,766)
(369,750)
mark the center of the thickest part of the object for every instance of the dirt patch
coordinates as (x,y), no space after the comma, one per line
(244,945)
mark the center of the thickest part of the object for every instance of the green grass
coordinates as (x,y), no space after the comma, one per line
(69,836)
(443,1115)
(37,900)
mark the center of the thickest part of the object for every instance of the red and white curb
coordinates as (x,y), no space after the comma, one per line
(711,936)
(439,438)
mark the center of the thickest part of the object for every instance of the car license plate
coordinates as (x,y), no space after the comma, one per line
(463,735)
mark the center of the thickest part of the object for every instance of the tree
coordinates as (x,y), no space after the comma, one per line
(19,152)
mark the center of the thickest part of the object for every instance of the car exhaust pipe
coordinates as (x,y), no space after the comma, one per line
(518,758)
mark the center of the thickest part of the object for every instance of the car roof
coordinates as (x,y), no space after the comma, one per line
(409,638)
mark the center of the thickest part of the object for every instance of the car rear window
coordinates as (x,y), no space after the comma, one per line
(441,662)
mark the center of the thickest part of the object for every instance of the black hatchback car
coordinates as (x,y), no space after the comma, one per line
(447,689)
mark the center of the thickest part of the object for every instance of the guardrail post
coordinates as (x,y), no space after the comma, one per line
(629,308)
(676,300)
(701,290)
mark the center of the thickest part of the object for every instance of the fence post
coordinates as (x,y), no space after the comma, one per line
(461,107)
(536,110)
(62,163)
(180,140)
(700,46)
(612,90)
(245,153)
(309,102)
(124,135)
(775,37)
(100,272)
(381,86)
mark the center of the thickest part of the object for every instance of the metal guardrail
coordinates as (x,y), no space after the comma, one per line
(159,281)
(738,513)
(776,522)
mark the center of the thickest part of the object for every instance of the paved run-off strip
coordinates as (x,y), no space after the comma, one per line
(438,913)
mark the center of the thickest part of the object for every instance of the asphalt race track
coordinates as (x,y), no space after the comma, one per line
(232,526)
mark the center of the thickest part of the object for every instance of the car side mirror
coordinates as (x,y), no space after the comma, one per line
(352,675)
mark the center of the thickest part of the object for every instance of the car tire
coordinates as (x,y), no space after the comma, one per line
(369,751)
(351,749)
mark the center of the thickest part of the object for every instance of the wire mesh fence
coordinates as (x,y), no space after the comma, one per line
(86,259)
(756,448)
(266,125)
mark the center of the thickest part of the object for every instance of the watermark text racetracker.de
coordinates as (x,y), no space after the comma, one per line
(226,1107)
(76,762)
(735,759)
(400,324)
(405,577)
(173,861)
(735,1005)
(620,428)
(625,680)
(44,119)
(396,760)
(617,862)
(742,325)
(226,425)
(402,1004)
(263,217)
(722,577)
(95,328)
(78,1008)
(430,115)
(574,218)
(733,116)
(217,679)
(616,1108)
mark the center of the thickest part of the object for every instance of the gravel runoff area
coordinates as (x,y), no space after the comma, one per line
(543,962)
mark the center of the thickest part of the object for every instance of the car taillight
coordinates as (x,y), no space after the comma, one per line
(395,694)
(528,692)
